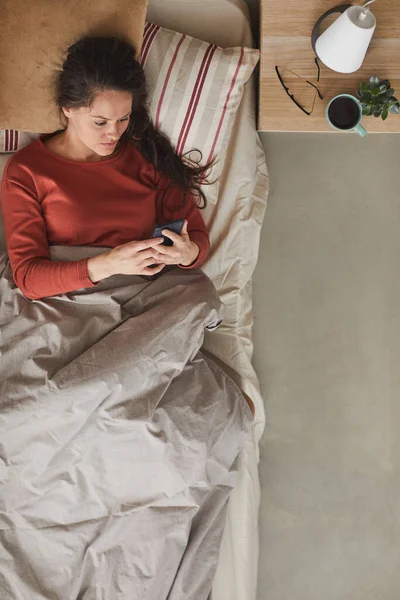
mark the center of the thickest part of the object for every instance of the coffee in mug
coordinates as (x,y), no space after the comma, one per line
(344,112)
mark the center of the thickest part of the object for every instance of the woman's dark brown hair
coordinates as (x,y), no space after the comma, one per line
(95,64)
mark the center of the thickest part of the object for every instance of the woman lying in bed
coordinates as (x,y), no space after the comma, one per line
(105,180)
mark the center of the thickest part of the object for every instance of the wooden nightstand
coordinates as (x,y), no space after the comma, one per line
(286,41)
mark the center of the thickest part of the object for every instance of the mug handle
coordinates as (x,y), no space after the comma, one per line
(315,32)
(360,130)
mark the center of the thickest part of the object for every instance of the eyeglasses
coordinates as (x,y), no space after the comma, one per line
(284,76)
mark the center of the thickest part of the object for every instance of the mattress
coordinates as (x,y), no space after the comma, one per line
(235,224)
(235,221)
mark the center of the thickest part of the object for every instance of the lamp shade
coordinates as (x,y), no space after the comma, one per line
(342,47)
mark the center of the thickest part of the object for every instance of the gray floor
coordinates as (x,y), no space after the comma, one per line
(327,351)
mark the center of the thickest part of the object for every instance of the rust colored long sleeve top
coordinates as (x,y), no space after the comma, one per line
(47,199)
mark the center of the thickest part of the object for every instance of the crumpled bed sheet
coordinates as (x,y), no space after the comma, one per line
(119,439)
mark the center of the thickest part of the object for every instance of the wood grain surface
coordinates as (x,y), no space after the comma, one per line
(286,41)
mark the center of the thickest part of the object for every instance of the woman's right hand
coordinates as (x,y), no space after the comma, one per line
(133,258)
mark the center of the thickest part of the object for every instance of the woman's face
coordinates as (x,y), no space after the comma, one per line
(99,126)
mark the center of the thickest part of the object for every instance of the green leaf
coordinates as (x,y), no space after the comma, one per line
(374,81)
(364,87)
(389,93)
(375,91)
(366,110)
(382,87)
(386,82)
(384,115)
(364,96)
(376,115)
(394,109)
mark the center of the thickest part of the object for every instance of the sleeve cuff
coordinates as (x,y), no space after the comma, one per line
(83,274)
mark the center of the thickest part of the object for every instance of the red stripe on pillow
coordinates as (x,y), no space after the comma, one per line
(147,31)
(152,37)
(6,141)
(144,40)
(194,92)
(147,28)
(16,141)
(167,78)
(194,100)
(152,32)
(226,105)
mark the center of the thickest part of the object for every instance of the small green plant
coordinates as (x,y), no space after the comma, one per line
(377,98)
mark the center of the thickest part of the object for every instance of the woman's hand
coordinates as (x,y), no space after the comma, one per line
(183,252)
(133,258)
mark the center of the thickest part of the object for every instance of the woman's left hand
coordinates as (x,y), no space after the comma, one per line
(183,252)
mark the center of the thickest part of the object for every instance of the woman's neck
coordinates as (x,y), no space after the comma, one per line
(67,145)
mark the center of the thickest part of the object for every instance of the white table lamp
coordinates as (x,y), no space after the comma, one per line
(342,47)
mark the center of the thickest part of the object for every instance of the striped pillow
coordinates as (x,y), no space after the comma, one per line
(195,89)
(12,140)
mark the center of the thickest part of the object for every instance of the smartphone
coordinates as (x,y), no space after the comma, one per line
(175,226)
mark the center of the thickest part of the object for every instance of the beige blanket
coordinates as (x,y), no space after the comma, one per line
(119,439)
